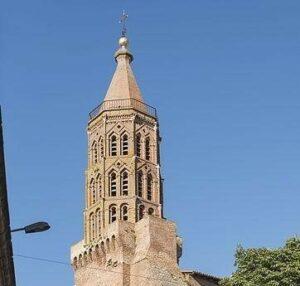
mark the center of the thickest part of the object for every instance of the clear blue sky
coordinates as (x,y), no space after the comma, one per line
(224,76)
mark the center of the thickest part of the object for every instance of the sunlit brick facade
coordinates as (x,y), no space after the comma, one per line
(127,240)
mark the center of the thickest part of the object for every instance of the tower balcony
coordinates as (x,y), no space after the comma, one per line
(121,104)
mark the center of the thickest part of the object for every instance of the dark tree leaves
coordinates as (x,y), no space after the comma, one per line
(267,267)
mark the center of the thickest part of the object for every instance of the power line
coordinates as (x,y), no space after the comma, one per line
(98,269)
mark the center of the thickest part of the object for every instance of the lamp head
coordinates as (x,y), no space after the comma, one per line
(37,227)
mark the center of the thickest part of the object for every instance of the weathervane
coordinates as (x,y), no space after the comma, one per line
(123,22)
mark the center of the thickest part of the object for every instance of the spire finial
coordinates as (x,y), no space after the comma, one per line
(123,22)
(123,41)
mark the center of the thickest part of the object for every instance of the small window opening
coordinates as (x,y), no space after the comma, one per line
(149,187)
(140,184)
(113,146)
(141,211)
(124,145)
(138,145)
(113,184)
(124,212)
(147,148)
(94,153)
(112,214)
(101,143)
(124,183)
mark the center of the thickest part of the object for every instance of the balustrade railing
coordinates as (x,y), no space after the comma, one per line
(123,104)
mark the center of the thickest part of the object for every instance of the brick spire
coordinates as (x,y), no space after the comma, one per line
(123,84)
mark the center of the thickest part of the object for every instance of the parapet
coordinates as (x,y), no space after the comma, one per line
(133,250)
(117,242)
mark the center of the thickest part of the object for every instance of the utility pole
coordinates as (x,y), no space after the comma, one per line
(7,270)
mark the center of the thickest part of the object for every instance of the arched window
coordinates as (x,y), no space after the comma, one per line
(141,212)
(138,145)
(112,213)
(85,260)
(147,148)
(90,255)
(113,145)
(80,260)
(97,250)
(149,187)
(98,221)
(113,243)
(107,244)
(112,184)
(99,186)
(124,183)
(140,184)
(94,153)
(92,226)
(124,144)
(102,246)
(124,212)
(75,262)
(101,147)
(150,211)
(92,192)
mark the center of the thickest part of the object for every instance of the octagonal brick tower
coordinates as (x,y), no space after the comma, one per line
(126,239)
(123,177)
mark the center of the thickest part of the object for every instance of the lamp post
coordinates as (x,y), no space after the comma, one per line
(32,228)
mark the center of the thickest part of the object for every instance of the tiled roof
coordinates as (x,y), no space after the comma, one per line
(202,275)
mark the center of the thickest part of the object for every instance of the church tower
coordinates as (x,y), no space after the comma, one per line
(123,177)
(127,241)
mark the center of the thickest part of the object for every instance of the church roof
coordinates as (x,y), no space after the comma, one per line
(123,84)
(202,278)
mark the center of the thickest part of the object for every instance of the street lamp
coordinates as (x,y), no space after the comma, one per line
(35,227)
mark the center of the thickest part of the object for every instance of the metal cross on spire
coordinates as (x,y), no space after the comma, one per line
(123,22)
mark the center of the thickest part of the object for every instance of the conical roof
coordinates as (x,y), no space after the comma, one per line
(123,84)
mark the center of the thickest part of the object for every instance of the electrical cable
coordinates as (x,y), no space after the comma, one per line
(94,268)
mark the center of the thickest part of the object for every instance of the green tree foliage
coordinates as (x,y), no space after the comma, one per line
(267,267)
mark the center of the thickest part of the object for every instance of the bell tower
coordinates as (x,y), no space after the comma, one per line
(127,241)
(123,180)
